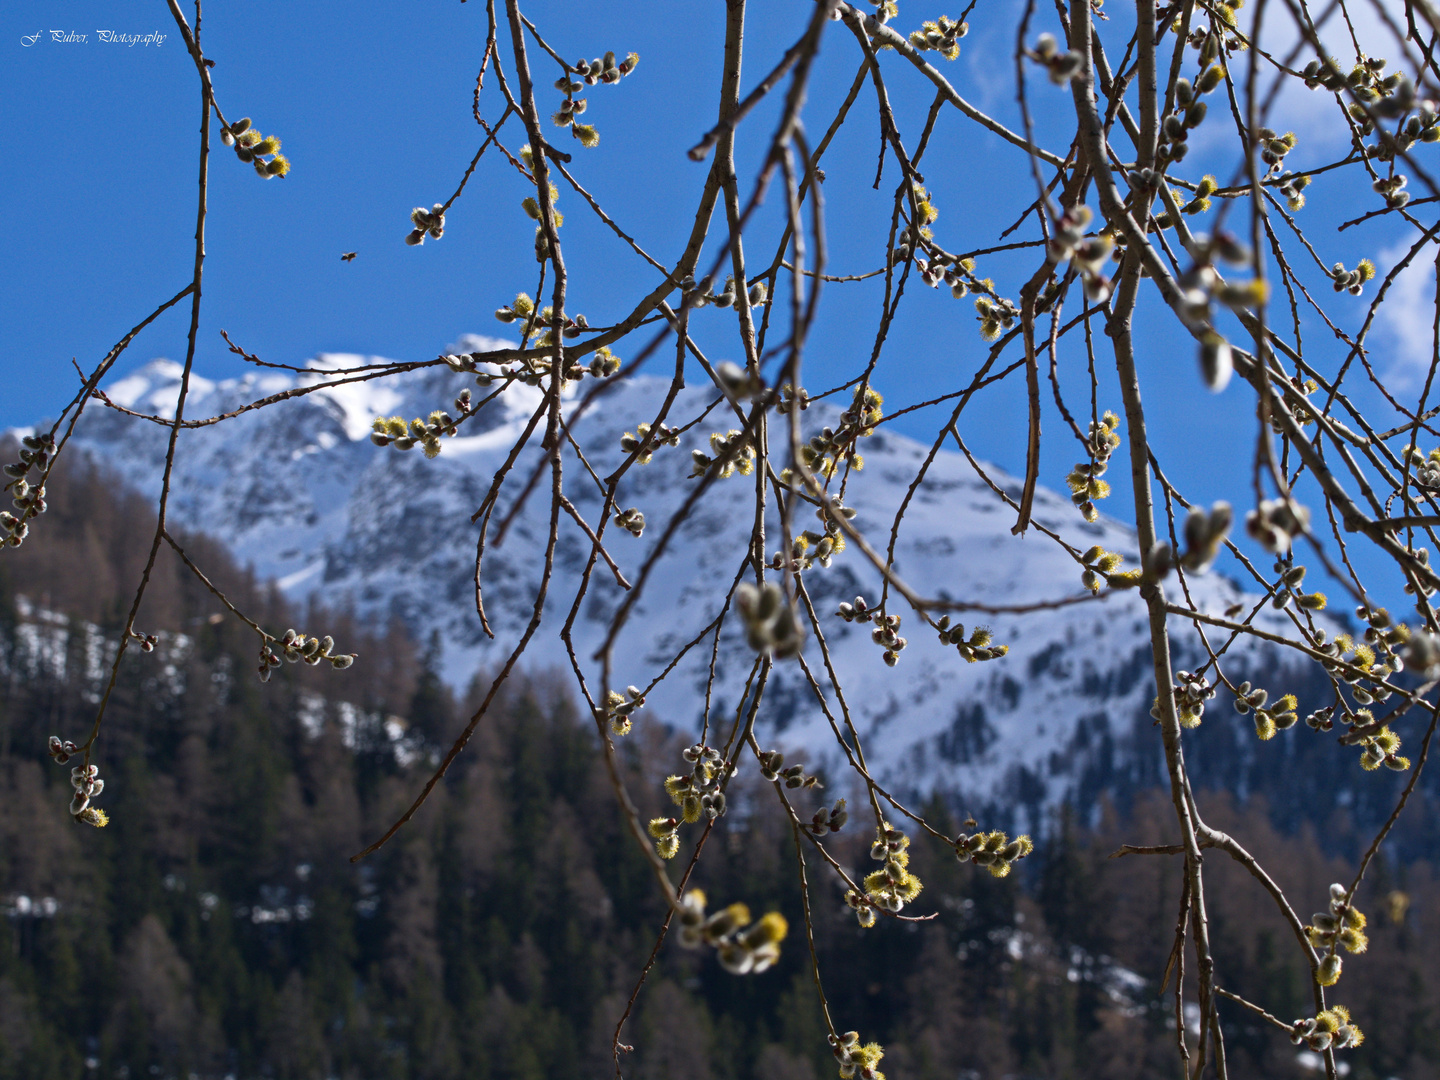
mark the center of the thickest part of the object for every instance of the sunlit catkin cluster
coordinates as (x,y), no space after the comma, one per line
(1274,148)
(1341,927)
(863,907)
(893,885)
(995,315)
(833,447)
(1426,466)
(1189,111)
(810,546)
(993,850)
(732,452)
(1322,719)
(1301,410)
(1084,479)
(572,326)
(394,431)
(790,398)
(698,792)
(1352,281)
(27,497)
(1378,747)
(429,223)
(295,647)
(1192,690)
(701,294)
(885,10)
(532,370)
(531,206)
(726,297)
(856,1060)
(1217,36)
(742,948)
(977,646)
(603,364)
(828,821)
(1364,666)
(942,34)
(262,151)
(701,790)
(632,521)
(773,768)
(1279,716)
(643,444)
(62,750)
(1375,94)
(923,213)
(522,308)
(1292,185)
(1329,1030)
(587,73)
(147,642)
(1288,590)
(620,709)
(886,633)
(1103,566)
(1198,204)
(85,779)
(665,831)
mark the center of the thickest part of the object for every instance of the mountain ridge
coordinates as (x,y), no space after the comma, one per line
(298,491)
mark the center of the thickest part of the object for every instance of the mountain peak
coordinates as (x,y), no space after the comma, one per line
(153,388)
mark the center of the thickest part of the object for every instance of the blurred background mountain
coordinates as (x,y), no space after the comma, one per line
(299,495)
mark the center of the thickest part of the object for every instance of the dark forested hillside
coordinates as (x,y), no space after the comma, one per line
(216,928)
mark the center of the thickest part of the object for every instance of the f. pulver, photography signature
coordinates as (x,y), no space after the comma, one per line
(109,37)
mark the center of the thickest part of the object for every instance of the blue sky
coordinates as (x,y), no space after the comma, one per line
(373,101)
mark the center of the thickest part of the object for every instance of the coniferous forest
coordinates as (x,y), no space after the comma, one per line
(216,927)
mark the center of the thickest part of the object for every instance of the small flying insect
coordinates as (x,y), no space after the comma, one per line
(349,256)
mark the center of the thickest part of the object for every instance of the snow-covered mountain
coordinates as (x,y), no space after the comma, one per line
(299,491)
